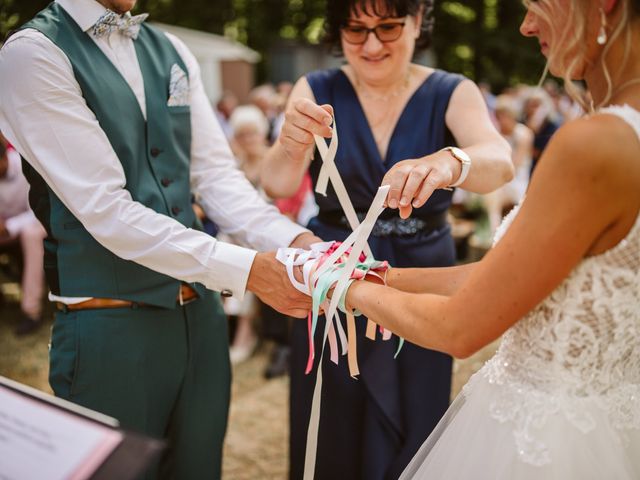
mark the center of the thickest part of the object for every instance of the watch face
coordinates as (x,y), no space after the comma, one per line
(464,159)
(460,155)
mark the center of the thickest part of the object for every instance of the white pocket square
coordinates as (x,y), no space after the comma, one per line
(178,87)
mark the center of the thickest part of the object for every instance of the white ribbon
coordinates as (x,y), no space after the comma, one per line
(330,171)
(295,257)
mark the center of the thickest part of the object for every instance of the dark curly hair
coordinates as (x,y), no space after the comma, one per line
(339,11)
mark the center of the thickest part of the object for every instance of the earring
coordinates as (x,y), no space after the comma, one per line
(602,34)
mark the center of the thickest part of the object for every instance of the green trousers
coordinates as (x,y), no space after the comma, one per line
(161,372)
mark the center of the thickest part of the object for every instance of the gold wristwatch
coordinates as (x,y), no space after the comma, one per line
(464,159)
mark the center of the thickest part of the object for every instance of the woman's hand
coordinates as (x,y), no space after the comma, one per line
(303,119)
(414,181)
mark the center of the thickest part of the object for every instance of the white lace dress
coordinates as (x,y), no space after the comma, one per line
(561,397)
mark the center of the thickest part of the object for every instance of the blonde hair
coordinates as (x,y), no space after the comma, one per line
(574,39)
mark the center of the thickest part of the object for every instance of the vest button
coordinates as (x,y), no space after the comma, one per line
(155,151)
(165,182)
(176,210)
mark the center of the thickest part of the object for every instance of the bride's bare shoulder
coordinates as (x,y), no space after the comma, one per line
(602,143)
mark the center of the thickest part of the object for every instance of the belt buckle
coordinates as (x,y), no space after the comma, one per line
(187,302)
(181,301)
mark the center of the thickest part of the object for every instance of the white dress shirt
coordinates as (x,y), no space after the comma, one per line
(44,115)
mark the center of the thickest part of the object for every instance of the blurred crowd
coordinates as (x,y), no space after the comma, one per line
(526,116)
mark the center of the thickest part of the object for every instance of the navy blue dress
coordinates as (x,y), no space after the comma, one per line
(370,428)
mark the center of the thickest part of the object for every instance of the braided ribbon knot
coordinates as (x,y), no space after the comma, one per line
(127,25)
(335,265)
(323,266)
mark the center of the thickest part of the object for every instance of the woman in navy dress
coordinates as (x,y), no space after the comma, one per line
(388,110)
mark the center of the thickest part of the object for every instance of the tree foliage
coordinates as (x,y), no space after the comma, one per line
(479,38)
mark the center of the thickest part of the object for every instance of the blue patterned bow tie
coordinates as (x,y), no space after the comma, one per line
(110,22)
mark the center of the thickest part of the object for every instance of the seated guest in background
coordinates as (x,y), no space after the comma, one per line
(266,98)
(250,129)
(520,137)
(541,117)
(249,142)
(19,224)
(224,108)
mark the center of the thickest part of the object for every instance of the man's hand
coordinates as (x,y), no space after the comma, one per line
(305,240)
(268,279)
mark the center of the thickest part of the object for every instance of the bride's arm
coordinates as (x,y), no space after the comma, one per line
(583,200)
(439,280)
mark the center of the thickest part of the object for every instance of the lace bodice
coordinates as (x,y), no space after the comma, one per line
(578,347)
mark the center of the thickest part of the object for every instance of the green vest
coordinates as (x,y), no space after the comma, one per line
(155,156)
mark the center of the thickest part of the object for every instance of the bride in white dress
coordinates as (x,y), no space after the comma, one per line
(561,398)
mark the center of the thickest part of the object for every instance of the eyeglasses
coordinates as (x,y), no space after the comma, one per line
(385,32)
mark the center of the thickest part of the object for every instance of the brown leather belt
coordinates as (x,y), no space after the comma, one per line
(186,295)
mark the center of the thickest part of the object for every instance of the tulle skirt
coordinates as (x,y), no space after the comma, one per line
(471,443)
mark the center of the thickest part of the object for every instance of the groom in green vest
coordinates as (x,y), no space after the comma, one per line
(117,136)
